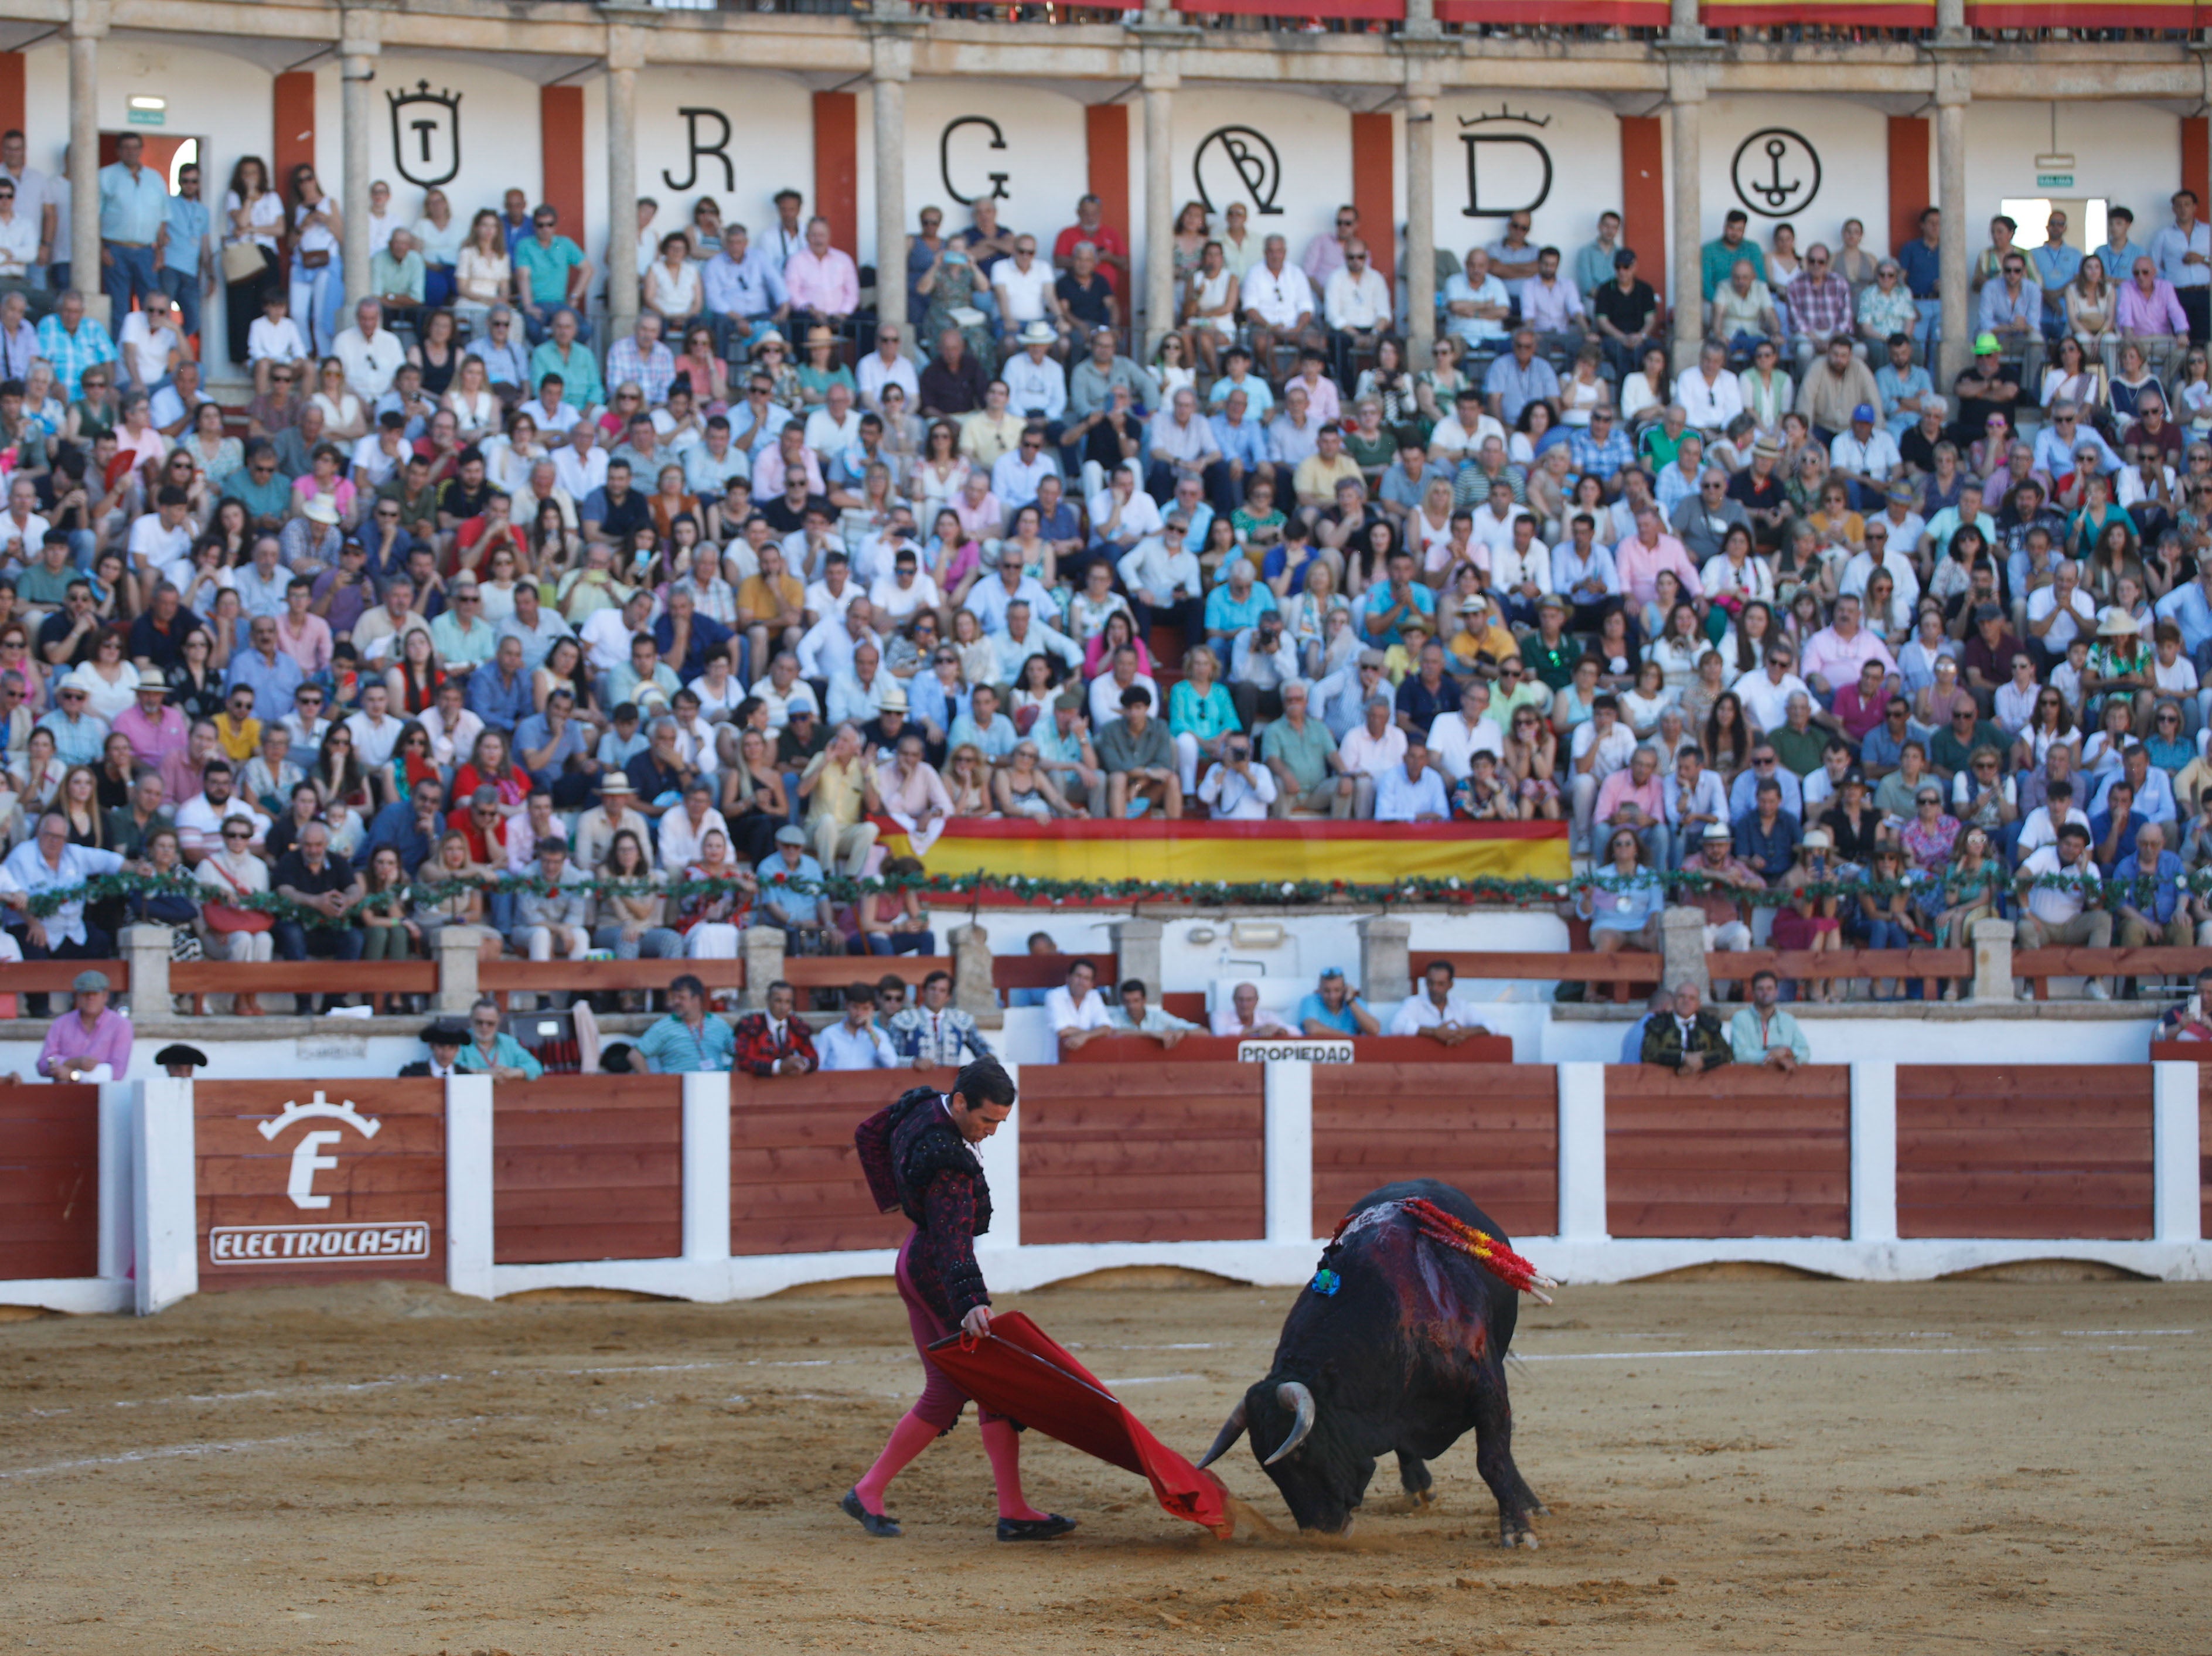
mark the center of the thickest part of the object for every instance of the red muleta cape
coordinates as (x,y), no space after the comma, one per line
(1016,1370)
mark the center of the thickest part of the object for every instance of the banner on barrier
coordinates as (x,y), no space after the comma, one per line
(1300,1051)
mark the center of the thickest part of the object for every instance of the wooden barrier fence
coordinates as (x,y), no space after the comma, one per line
(717,1187)
(587,1167)
(1743,1151)
(349,1165)
(795,1180)
(1163,1153)
(1490,1129)
(2019,1150)
(49,1182)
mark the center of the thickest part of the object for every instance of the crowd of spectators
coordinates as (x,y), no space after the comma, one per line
(718,604)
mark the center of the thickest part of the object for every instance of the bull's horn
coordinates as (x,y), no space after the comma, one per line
(1293,1394)
(1232,1429)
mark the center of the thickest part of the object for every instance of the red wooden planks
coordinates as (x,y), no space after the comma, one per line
(1738,1153)
(1492,1130)
(2045,1150)
(49,1182)
(587,1167)
(1160,1152)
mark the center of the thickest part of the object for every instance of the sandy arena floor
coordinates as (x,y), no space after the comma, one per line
(1731,1465)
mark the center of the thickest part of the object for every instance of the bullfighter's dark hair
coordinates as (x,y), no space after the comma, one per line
(984,1082)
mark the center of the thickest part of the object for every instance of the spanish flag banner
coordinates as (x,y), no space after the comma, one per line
(1192,853)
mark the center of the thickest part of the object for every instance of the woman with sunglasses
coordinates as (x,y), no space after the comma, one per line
(230,873)
(344,418)
(1888,917)
(1531,758)
(317,286)
(339,774)
(92,416)
(706,372)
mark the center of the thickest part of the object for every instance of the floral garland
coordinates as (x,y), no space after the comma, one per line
(1483,890)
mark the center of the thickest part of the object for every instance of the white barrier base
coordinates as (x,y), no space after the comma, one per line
(77,1295)
(1015,1270)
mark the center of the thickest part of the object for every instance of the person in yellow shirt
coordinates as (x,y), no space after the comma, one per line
(1405,657)
(237,730)
(1479,634)
(1319,472)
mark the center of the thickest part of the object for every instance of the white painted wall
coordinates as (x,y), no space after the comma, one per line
(502,146)
(1581,140)
(771,147)
(2127,152)
(1045,161)
(1311,135)
(1852,142)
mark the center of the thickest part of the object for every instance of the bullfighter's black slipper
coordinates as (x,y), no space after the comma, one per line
(1050,1527)
(882,1525)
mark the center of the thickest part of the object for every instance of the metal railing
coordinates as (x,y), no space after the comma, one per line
(1615,21)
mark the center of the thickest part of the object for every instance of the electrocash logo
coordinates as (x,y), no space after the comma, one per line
(303,1244)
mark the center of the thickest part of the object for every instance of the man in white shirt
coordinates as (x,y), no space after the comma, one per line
(1865,456)
(1370,749)
(1278,299)
(1245,1018)
(896,597)
(581,465)
(1459,436)
(1238,790)
(1024,285)
(1601,746)
(1037,384)
(371,352)
(1357,302)
(1709,393)
(1766,694)
(1017,474)
(1476,303)
(1076,1009)
(853,1041)
(1436,1011)
(2058,912)
(606,633)
(887,365)
(375,732)
(1456,738)
(200,819)
(784,692)
(835,426)
(148,343)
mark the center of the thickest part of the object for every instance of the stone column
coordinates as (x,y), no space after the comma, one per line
(1160,307)
(763,946)
(893,68)
(973,990)
(88,23)
(146,952)
(357,52)
(1136,949)
(1993,960)
(1682,950)
(1386,970)
(1951,94)
(621,187)
(1420,224)
(1686,110)
(456,958)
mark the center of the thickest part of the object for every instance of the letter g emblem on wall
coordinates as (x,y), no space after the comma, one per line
(998,191)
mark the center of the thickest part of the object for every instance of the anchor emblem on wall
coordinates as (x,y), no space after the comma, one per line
(1776,171)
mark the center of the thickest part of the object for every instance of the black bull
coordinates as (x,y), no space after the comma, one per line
(1406,1356)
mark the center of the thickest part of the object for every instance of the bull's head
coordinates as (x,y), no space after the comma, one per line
(1321,1475)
